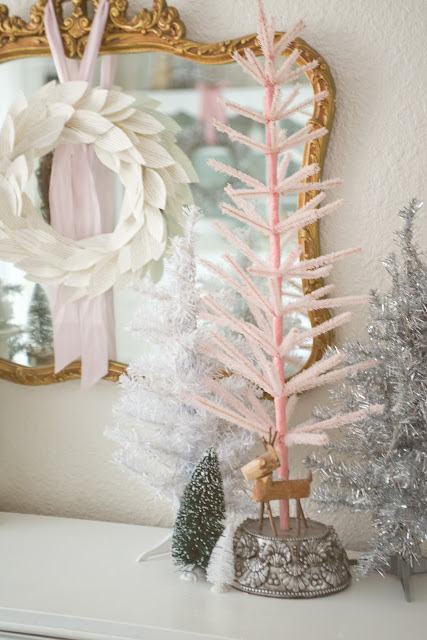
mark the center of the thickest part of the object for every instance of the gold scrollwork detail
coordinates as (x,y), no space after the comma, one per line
(162,21)
(161,29)
(21,39)
(45,375)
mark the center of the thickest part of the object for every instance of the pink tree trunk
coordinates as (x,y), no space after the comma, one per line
(273,218)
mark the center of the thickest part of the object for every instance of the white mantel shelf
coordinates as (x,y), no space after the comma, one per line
(78,579)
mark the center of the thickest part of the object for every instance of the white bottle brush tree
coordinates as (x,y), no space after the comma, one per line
(161,437)
(37,338)
(264,336)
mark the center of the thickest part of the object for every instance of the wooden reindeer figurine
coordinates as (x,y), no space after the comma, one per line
(265,489)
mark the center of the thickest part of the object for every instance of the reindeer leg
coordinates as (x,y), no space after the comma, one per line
(298,517)
(270,515)
(261,515)
(303,516)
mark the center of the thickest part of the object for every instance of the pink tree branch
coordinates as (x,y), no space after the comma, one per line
(314,372)
(248,290)
(257,340)
(268,367)
(307,134)
(244,328)
(247,329)
(311,204)
(322,328)
(308,304)
(279,104)
(257,417)
(309,267)
(283,113)
(276,295)
(291,406)
(287,38)
(287,264)
(280,76)
(246,193)
(313,274)
(251,287)
(259,409)
(240,137)
(235,360)
(289,77)
(288,184)
(306,215)
(283,167)
(227,414)
(295,188)
(235,173)
(237,242)
(250,66)
(252,220)
(243,111)
(303,434)
(313,381)
(320,292)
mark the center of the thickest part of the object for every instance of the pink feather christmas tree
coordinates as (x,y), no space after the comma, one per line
(263,357)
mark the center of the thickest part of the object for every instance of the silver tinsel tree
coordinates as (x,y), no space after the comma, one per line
(381,465)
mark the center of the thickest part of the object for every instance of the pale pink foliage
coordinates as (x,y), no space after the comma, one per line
(259,334)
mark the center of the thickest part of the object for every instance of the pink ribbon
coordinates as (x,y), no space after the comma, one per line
(211,108)
(82,205)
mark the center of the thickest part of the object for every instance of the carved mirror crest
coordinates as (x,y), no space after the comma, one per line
(184,76)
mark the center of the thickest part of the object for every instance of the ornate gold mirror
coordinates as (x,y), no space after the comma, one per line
(185,77)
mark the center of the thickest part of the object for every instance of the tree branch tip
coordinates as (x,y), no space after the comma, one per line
(377,408)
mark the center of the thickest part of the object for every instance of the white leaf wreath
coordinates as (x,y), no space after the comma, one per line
(137,144)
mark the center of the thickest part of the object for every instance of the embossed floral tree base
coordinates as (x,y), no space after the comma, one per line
(290,566)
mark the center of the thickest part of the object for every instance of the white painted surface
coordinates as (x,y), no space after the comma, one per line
(67,578)
(53,457)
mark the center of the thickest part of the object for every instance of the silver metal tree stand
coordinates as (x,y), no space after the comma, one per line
(403,570)
(289,565)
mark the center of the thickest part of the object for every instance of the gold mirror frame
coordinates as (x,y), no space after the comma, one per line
(161,29)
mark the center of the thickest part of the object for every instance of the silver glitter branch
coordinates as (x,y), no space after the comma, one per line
(381,466)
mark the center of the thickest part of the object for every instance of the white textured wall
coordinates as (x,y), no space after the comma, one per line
(53,457)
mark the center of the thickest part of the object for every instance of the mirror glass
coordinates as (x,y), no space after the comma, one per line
(188,92)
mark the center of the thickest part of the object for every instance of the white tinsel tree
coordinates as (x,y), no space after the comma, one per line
(37,338)
(161,438)
(6,308)
(39,326)
(221,569)
(381,466)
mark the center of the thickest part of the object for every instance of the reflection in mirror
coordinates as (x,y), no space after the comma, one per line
(189,93)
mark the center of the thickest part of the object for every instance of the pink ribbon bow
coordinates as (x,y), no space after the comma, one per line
(82,205)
